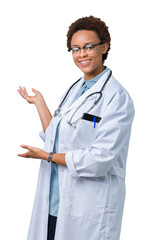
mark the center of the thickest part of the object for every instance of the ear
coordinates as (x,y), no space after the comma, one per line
(105,47)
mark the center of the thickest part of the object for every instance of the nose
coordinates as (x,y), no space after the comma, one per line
(82,53)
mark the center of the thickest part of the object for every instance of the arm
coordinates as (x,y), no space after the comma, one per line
(44,113)
(38,100)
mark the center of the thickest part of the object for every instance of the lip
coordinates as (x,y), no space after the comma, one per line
(84,62)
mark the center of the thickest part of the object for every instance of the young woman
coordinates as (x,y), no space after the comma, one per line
(81,184)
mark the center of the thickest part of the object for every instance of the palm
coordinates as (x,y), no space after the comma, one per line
(32,152)
(30,99)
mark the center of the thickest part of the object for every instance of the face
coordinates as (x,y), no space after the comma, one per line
(89,62)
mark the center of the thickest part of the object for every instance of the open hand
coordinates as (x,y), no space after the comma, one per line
(31,99)
(34,152)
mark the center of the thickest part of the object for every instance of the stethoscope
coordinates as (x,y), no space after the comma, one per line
(57,112)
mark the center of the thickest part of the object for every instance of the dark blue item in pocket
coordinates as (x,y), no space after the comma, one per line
(91,118)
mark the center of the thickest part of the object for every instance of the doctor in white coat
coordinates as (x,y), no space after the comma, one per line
(95,119)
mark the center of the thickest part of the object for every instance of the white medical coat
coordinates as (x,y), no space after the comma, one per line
(92,186)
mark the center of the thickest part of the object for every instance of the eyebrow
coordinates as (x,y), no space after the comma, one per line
(84,44)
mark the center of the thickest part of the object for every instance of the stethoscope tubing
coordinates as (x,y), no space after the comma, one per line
(95,103)
(68,93)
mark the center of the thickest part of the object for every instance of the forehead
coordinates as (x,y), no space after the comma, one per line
(83,36)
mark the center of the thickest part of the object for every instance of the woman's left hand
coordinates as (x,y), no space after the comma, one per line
(34,152)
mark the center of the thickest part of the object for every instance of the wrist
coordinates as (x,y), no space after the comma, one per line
(50,157)
(39,101)
(45,155)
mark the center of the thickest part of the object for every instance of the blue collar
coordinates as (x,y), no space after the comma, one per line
(92,81)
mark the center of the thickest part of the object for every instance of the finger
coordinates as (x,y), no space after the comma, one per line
(25,92)
(23,155)
(20,155)
(34,90)
(26,146)
(21,92)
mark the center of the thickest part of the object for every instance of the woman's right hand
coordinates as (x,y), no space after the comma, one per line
(40,104)
(30,99)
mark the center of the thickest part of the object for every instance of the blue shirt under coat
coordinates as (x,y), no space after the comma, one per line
(54,184)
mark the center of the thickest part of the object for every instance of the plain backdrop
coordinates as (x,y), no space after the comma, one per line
(33,53)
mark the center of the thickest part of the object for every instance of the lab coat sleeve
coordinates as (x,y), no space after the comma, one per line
(43,134)
(113,136)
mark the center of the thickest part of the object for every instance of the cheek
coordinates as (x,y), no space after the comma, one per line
(98,60)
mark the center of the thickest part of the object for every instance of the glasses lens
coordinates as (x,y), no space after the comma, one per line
(75,51)
(88,48)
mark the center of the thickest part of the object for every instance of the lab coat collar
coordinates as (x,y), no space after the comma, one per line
(95,88)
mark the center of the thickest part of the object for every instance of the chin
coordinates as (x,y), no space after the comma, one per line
(87,71)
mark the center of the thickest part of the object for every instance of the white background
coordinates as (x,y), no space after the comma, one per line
(33,53)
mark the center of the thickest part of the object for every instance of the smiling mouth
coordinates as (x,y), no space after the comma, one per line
(84,61)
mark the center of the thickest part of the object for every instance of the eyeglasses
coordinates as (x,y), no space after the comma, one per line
(87,48)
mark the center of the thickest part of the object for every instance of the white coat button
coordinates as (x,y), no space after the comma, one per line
(51,141)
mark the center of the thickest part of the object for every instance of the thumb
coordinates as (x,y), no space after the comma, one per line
(25,146)
(34,90)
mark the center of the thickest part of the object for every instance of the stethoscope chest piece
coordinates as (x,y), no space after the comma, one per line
(71,124)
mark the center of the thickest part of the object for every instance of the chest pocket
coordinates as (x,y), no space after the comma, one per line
(87,132)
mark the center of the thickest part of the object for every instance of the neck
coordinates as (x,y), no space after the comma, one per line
(91,75)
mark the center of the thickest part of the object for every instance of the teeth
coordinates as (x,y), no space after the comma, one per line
(85,61)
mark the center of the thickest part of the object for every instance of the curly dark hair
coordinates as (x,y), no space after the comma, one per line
(90,23)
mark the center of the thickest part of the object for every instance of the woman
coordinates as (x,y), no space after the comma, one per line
(81,185)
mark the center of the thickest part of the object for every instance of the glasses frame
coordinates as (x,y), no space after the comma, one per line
(79,48)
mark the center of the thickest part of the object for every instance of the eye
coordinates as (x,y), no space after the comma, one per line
(75,49)
(90,46)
